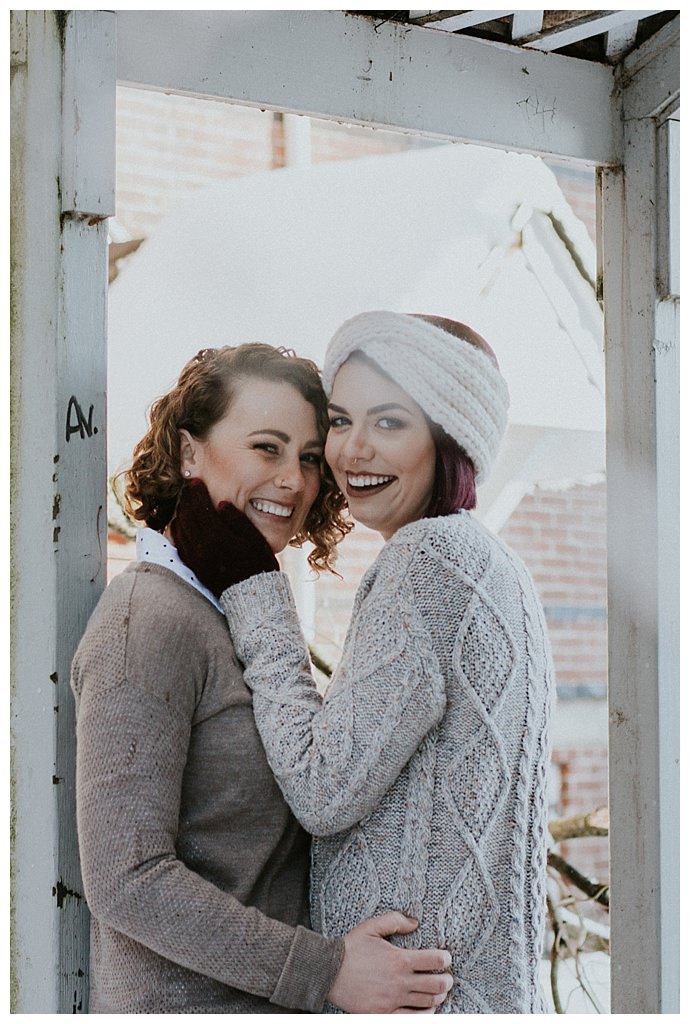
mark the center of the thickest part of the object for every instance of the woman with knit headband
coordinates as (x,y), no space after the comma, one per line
(422,772)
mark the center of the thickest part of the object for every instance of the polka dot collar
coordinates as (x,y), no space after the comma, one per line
(154,547)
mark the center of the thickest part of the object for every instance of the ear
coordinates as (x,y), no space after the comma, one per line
(190,453)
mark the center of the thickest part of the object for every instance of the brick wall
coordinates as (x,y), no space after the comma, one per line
(561,535)
(168,147)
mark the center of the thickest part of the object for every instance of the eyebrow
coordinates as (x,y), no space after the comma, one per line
(285,438)
(375,408)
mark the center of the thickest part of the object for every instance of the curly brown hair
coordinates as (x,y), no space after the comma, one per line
(203,394)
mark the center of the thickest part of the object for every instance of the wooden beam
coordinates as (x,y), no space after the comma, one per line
(585,28)
(620,40)
(526,24)
(468,19)
(652,70)
(333,65)
(668,206)
(88,136)
(58,453)
(34,231)
(642,379)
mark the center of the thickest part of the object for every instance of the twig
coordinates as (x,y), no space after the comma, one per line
(319,663)
(594,890)
(583,982)
(557,925)
(596,823)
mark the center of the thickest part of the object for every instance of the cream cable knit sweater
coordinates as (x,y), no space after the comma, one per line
(424,769)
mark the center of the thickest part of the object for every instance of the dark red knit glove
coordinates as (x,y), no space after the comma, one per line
(221,546)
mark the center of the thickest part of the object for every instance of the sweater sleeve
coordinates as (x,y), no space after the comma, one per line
(131,752)
(335,758)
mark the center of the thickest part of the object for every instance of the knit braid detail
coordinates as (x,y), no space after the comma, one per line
(485,745)
(539,827)
(517,950)
(532,786)
(415,841)
(536,900)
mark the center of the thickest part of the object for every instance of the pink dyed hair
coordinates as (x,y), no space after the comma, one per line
(454,477)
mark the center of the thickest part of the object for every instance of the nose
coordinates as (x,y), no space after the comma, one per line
(357,445)
(290,476)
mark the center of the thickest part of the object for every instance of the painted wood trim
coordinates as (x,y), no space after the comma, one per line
(526,24)
(18,39)
(643,611)
(467,19)
(667,369)
(394,76)
(79,548)
(668,35)
(58,378)
(650,76)
(34,266)
(668,206)
(591,24)
(88,114)
(619,40)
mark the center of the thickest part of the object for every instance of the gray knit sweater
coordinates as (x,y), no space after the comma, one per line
(194,869)
(423,771)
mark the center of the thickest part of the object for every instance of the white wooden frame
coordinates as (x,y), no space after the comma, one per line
(329,64)
(63,122)
(642,368)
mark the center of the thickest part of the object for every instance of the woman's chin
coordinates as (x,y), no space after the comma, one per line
(275,534)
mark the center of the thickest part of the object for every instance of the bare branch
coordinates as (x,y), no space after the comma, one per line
(595,823)
(596,891)
(319,663)
(557,926)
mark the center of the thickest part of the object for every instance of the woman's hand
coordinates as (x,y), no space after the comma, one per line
(378,977)
(220,545)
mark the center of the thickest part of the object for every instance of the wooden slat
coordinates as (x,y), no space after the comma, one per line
(525,24)
(620,40)
(468,19)
(585,28)
(668,206)
(653,69)
(88,115)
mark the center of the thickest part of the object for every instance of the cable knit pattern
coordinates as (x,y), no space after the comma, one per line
(423,771)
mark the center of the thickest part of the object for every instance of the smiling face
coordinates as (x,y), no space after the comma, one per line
(264,456)
(380,448)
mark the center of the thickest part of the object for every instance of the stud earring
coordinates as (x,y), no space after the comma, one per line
(187,473)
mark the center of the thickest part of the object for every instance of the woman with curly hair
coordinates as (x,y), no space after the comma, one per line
(194,868)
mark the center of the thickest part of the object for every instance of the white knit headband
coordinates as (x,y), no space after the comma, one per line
(455,383)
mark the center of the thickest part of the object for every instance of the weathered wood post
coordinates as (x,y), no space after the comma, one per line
(62,191)
(640,283)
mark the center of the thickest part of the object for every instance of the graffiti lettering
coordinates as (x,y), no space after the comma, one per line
(77,423)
